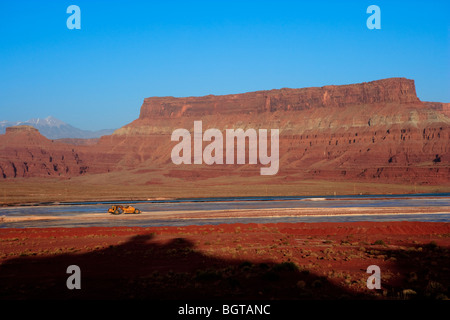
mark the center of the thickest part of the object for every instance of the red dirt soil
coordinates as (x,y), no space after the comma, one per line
(228,261)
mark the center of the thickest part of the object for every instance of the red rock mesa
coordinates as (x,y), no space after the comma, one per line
(377,131)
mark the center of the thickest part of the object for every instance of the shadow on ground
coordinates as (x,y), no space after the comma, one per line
(144,269)
(422,272)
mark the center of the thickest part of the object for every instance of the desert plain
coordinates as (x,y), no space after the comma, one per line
(238,261)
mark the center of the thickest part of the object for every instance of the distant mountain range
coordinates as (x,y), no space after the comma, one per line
(53,128)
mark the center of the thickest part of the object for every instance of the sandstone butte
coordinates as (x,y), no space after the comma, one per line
(375,132)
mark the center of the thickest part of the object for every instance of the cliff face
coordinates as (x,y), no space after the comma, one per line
(376,132)
(395,90)
(24,152)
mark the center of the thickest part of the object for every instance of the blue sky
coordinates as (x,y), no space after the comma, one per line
(125,51)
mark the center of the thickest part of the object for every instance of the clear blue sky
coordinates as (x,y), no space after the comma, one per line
(125,51)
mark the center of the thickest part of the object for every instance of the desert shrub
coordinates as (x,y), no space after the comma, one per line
(245,266)
(305,272)
(318,283)
(285,266)
(434,288)
(379,242)
(263,266)
(407,293)
(431,246)
(207,275)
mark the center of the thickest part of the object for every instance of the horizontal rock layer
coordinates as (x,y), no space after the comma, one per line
(394,90)
(376,132)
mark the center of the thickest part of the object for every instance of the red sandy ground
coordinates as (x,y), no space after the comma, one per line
(228,261)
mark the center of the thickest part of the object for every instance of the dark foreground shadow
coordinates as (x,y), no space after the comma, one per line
(419,272)
(142,269)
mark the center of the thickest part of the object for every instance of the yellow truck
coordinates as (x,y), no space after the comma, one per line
(118,209)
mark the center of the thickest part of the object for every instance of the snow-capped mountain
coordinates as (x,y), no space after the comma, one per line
(53,128)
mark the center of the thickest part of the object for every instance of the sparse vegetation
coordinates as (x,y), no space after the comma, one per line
(431,246)
(285,266)
(275,258)
(379,242)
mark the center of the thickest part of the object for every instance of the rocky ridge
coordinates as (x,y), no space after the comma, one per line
(377,131)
